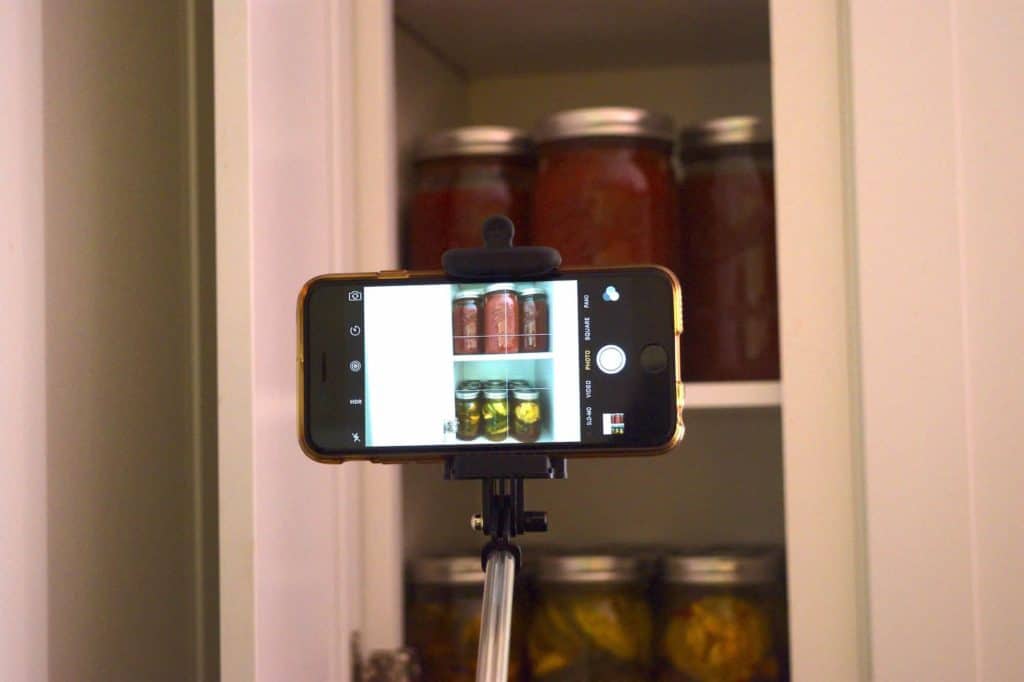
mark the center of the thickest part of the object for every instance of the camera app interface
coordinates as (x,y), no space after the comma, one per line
(483,364)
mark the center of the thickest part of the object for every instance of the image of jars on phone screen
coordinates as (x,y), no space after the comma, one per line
(467,414)
(466,331)
(533,316)
(494,415)
(526,414)
(501,319)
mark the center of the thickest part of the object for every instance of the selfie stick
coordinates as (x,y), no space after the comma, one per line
(502,474)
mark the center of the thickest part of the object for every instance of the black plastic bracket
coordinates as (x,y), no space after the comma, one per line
(499,258)
(502,474)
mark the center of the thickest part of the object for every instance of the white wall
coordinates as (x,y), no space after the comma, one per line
(989,86)
(938,145)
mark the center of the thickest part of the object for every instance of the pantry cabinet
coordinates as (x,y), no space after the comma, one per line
(318,103)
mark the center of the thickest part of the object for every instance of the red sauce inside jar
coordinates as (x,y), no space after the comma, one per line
(463,177)
(466,333)
(606,192)
(728,272)
(533,313)
(501,319)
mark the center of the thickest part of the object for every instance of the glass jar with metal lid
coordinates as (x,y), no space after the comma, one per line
(533,320)
(605,191)
(723,617)
(728,270)
(467,414)
(463,176)
(526,415)
(591,620)
(501,318)
(494,415)
(467,334)
(443,618)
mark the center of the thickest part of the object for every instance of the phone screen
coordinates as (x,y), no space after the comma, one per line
(575,362)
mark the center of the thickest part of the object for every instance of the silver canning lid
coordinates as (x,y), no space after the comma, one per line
(727,567)
(518,383)
(496,384)
(606,122)
(724,131)
(475,141)
(526,394)
(532,291)
(589,569)
(496,395)
(501,286)
(462,570)
(467,393)
(467,294)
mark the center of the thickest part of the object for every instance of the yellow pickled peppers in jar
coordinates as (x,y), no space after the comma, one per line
(722,618)
(591,621)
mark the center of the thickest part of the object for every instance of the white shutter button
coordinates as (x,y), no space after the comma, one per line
(611,359)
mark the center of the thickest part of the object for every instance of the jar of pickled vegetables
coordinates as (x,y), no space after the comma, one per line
(466,332)
(591,621)
(464,176)
(723,618)
(496,385)
(727,250)
(533,320)
(501,319)
(467,414)
(606,188)
(495,415)
(526,415)
(443,619)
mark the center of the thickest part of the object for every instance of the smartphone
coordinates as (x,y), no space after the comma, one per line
(399,366)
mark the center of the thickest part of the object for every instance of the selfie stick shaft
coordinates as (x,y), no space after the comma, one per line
(496,618)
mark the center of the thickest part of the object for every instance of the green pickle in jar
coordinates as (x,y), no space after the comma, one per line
(591,621)
(495,415)
(443,619)
(526,415)
(467,414)
(723,619)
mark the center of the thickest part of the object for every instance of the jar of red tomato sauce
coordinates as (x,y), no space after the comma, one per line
(463,177)
(533,320)
(466,332)
(605,191)
(501,319)
(728,272)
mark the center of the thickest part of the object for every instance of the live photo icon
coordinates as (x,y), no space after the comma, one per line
(614,423)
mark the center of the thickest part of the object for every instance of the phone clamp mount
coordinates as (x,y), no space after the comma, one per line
(502,474)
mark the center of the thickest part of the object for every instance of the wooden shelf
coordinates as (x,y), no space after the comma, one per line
(710,395)
(490,357)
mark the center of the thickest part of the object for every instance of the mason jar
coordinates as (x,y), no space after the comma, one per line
(591,620)
(606,189)
(467,414)
(534,335)
(722,617)
(466,329)
(462,177)
(494,414)
(501,319)
(727,252)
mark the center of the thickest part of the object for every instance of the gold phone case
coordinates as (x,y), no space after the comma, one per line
(399,458)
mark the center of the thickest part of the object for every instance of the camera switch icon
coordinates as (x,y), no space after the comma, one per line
(355,330)
(355,296)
